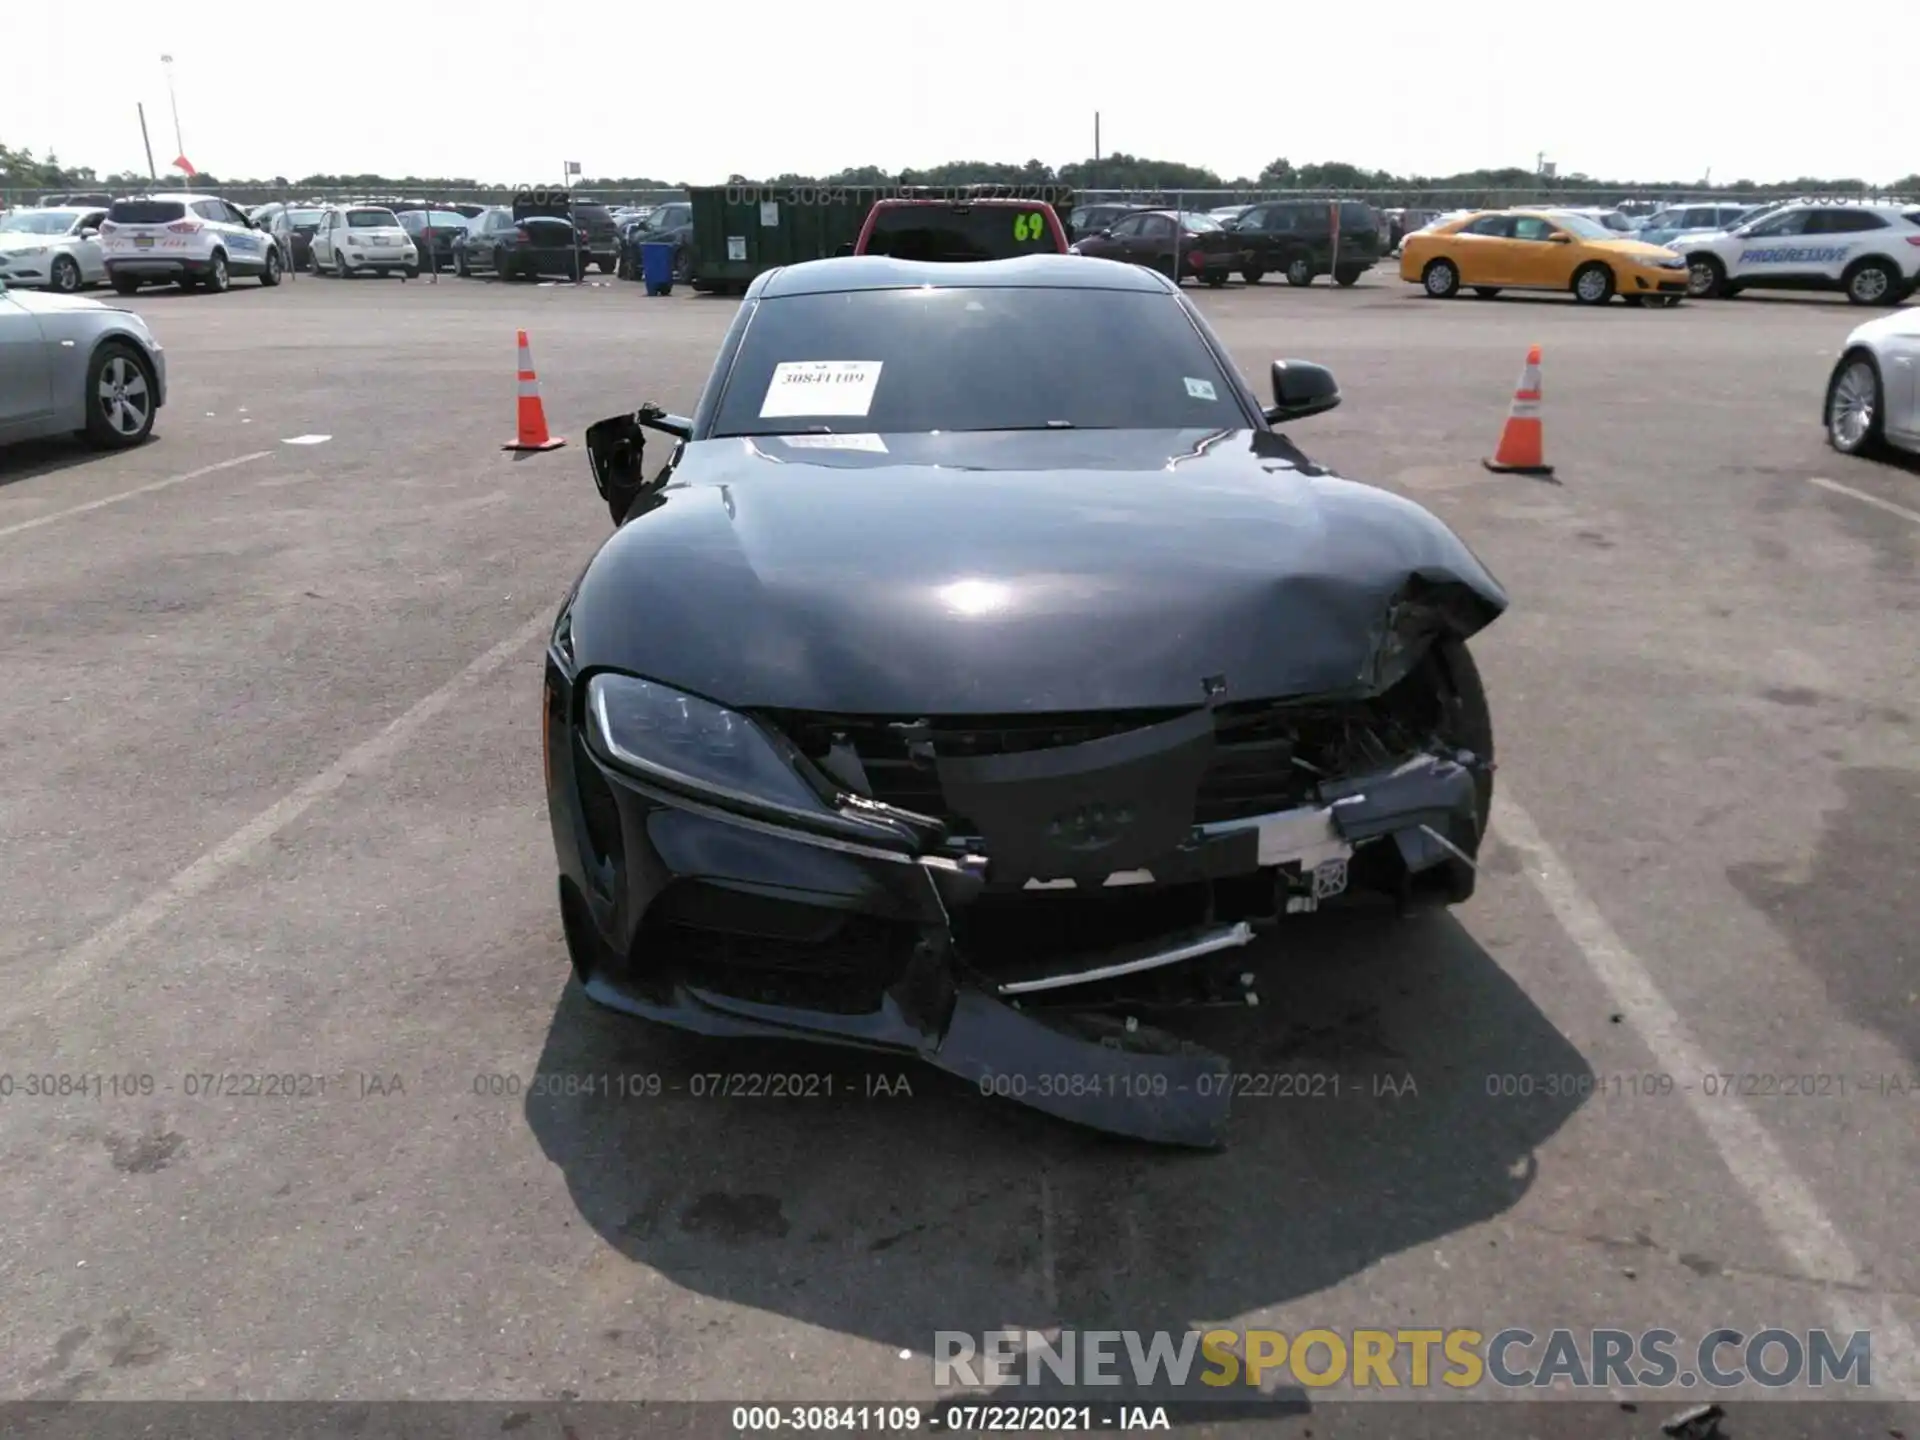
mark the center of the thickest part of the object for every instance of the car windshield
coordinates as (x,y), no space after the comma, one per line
(1587,229)
(372,220)
(917,360)
(959,232)
(1198,224)
(304,217)
(39,222)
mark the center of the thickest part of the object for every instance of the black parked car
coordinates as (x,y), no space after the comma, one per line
(433,233)
(1295,238)
(947,699)
(1176,244)
(668,224)
(494,241)
(1090,219)
(599,236)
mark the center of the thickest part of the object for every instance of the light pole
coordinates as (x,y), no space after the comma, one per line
(180,146)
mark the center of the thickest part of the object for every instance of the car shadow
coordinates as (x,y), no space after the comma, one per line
(888,1215)
(28,459)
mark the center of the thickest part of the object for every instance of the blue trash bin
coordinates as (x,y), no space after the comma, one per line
(656,266)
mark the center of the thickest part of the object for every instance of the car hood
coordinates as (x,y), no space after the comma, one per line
(21,240)
(1635,249)
(1010,572)
(48,303)
(1905,321)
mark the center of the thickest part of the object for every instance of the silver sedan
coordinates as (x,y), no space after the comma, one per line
(1873,395)
(70,365)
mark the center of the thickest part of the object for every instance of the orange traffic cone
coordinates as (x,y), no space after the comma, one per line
(1522,448)
(533,415)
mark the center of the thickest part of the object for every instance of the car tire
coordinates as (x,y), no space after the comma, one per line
(1299,272)
(1855,412)
(1253,277)
(1347,277)
(412,272)
(501,269)
(123,286)
(1216,279)
(1593,284)
(270,276)
(218,278)
(1441,279)
(120,369)
(1873,282)
(1486,292)
(64,277)
(683,266)
(607,266)
(340,270)
(1467,721)
(460,265)
(1707,278)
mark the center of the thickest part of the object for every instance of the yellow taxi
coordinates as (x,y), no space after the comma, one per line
(1491,251)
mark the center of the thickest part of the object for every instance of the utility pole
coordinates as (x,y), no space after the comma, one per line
(180,146)
(146,140)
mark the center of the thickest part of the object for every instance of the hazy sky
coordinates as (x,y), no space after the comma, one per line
(487,91)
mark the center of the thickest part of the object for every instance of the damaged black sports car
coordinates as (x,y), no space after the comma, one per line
(982,657)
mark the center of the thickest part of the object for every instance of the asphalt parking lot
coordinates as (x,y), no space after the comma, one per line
(273,807)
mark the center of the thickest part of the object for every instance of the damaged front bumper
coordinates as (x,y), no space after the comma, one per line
(699,916)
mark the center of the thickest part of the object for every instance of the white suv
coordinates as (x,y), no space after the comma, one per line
(1870,249)
(193,241)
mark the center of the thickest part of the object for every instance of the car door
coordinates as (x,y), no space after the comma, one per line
(1124,234)
(26,393)
(1535,259)
(1839,236)
(1767,252)
(1154,245)
(86,247)
(1480,250)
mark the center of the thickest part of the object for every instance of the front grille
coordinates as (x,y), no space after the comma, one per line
(1266,755)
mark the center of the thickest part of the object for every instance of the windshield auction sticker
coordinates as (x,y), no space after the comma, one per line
(821,387)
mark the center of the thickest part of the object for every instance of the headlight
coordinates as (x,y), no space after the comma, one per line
(691,744)
(28,251)
(1669,261)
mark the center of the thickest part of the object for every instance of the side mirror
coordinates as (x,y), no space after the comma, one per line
(846,249)
(1103,235)
(1560,237)
(1300,389)
(88,233)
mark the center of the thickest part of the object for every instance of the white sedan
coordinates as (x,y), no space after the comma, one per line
(353,238)
(52,249)
(1873,395)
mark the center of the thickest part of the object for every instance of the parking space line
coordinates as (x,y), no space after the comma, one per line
(147,489)
(1864,497)
(74,970)
(1786,1204)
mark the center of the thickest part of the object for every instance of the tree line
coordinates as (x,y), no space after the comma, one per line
(21,171)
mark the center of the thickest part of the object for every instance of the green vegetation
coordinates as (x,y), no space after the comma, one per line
(20,172)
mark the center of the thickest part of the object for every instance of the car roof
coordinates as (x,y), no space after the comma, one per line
(964,203)
(885,272)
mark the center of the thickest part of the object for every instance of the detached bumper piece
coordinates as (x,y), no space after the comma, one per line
(1097,840)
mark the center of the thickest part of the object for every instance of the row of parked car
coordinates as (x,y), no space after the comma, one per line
(197,241)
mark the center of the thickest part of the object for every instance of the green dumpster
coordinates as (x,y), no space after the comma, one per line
(743,229)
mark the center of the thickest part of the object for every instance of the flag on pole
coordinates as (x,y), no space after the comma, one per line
(573,167)
(180,162)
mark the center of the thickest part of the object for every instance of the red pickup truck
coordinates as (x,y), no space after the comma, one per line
(950,230)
